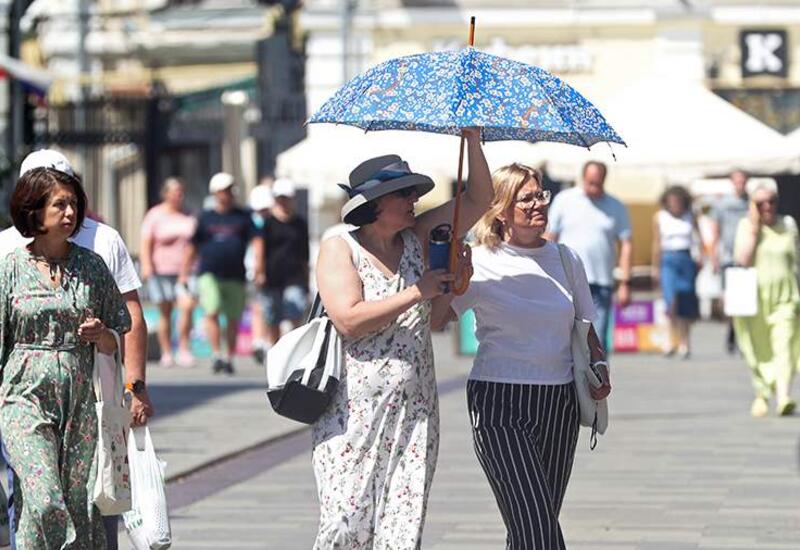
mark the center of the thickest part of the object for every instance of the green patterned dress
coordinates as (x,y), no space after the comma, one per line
(47,415)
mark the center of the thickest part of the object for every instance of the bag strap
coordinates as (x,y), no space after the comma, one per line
(567,266)
(317,309)
(97,380)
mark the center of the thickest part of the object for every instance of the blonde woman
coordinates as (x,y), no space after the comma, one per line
(770,340)
(520,394)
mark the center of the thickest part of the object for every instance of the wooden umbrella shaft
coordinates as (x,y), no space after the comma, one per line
(460,183)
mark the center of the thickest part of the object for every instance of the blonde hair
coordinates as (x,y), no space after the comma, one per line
(170,183)
(507,181)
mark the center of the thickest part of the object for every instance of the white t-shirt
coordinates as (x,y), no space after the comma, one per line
(98,237)
(675,233)
(524,313)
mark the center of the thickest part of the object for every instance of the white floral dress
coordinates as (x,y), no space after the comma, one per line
(375,448)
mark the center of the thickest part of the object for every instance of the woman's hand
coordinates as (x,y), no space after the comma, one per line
(93,331)
(755,217)
(146,271)
(598,394)
(432,283)
(464,270)
(472,133)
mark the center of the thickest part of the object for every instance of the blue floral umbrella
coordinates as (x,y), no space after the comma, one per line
(442,92)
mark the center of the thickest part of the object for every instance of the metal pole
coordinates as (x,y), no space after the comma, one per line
(348,9)
(83,72)
(16,100)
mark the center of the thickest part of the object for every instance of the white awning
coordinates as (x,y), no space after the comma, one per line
(680,131)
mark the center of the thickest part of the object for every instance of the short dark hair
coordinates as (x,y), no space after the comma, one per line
(681,193)
(601,165)
(32,193)
(365,214)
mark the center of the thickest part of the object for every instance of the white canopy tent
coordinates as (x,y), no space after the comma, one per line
(680,131)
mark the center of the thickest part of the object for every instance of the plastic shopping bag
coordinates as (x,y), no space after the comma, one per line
(5,533)
(147,523)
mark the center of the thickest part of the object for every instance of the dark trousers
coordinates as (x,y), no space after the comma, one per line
(525,437)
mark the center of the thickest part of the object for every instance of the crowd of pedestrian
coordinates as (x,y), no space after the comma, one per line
(539,262)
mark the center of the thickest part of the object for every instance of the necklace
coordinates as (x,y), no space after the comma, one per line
(55,266)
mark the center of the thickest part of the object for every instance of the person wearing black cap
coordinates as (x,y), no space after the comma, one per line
(375,448)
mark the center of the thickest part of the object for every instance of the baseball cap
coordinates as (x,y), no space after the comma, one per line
(283,188)
(46,158)
(261,198)
(220,181)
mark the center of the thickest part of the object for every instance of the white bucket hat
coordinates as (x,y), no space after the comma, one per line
(381,176)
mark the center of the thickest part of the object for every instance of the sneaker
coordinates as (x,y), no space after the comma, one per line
(759,408)
(227,366)
(259,355)
(218,365)
(185,359)
(166,361)
(785,407)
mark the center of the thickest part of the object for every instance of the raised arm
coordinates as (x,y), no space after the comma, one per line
(474,202)
(342,295)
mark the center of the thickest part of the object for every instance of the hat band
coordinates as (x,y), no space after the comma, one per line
(375,181)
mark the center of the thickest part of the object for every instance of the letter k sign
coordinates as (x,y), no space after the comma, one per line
(761,53)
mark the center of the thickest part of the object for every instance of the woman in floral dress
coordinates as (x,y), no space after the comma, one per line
(57,302)
(375,448)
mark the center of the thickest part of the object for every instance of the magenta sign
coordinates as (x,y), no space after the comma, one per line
(636,313)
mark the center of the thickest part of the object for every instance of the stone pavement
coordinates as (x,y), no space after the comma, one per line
(683,465)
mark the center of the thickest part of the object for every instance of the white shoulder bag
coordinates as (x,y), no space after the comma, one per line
(112,487)
(594,414)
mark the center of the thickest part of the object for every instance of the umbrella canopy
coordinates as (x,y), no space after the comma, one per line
(442,92)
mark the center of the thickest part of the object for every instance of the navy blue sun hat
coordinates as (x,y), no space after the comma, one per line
(381,176)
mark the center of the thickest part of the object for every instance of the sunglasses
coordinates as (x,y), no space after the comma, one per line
(542,198)
(773,201)
(405,192)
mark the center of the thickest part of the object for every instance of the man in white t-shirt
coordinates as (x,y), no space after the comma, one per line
(105,241)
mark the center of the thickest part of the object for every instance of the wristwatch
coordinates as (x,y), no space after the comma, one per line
(136,387)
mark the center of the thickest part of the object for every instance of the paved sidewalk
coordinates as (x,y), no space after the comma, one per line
(682,467)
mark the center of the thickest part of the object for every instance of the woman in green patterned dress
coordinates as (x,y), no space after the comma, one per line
(57,302)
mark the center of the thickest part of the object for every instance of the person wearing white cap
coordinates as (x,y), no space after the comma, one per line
(220,242)
(375,447)
(57,297)
(284,295)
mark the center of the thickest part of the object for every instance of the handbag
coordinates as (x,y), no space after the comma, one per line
(304,367)
(741,292)
(147,523)
(593,414)
(112,489)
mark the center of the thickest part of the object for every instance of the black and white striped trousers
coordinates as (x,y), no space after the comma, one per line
(525,437)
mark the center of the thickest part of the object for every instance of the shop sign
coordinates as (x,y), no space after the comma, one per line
(764,52)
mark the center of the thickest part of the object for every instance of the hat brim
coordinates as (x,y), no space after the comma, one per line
(422,183)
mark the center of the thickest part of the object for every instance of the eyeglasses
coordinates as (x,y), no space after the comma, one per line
(542,198)
(772,201)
